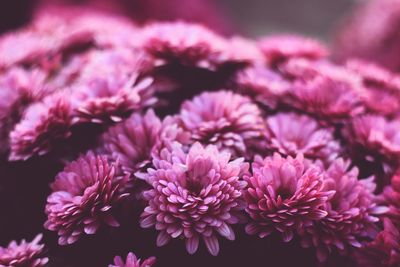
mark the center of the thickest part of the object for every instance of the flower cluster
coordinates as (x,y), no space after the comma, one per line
(193,136)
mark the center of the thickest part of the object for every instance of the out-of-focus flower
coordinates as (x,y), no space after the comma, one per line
(323,89)
(228,120)
(195,195)
(375,134)
(384,251)
(279,48)
(378,83)
(84,197)
(24,254)
(292,134)
(391,197)
(370,32)
(350,213)
(263,85)
(190,45)
(284,195)
(43,126)
(132,261)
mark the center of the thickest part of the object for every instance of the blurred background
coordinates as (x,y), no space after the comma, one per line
(251,17)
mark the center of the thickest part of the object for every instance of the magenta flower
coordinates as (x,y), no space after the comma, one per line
(84,197)
(375,134)
(24,254)
(351,213)
(391,197)
(132,261)
(378,83)
(292,134)
(263,85)
(384,251)
(324,89)
(284,195)
(279,48)
(193,45)
(43,126)
(228,120)
(196,194)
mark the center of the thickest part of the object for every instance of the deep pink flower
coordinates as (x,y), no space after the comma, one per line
(350,215)
(384,251)
(284,195)
(378,83)
(263,85)
(391,197)
(43,126)
(278,48)
(324,89)
(23,254)
(196,194)
(228,120)
(370,32)
(132,261)
(292,134)
(375,134)
(108,89)
(84,197)
(193,45)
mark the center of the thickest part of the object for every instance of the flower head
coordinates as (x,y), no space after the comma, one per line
(132,261)
(84,197)
(292,134)
(351,213)
(228,120)
(42,127)
(284,195)
(24,254)
(196,194)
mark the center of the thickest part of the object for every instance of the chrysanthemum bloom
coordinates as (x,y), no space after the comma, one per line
(370,33)
(133,141)
(42,127)
(391,197)
(378,83)
(195,195)
(132,261)
(23,254)
(263,85)
(350,215)
(279,48)
(228,120)
(375,134)
(384,251)
(108,89)
(84,197)
(323,89)
(283,195)
(190,45)
(292,134)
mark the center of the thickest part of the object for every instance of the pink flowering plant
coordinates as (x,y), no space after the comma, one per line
(171,141)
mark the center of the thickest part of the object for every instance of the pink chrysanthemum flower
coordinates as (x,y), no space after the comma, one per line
(23,254)
(191,45)
(132,261)
(196,195)
(391,197)
(378,83)
(42,127)
(350,215)
(324,89)
(279,48)
(228,120)
(292,134)
(284,195)
(263,85)
(133,141)
(375,134)
(84,197)
(109,90)
(384,251)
